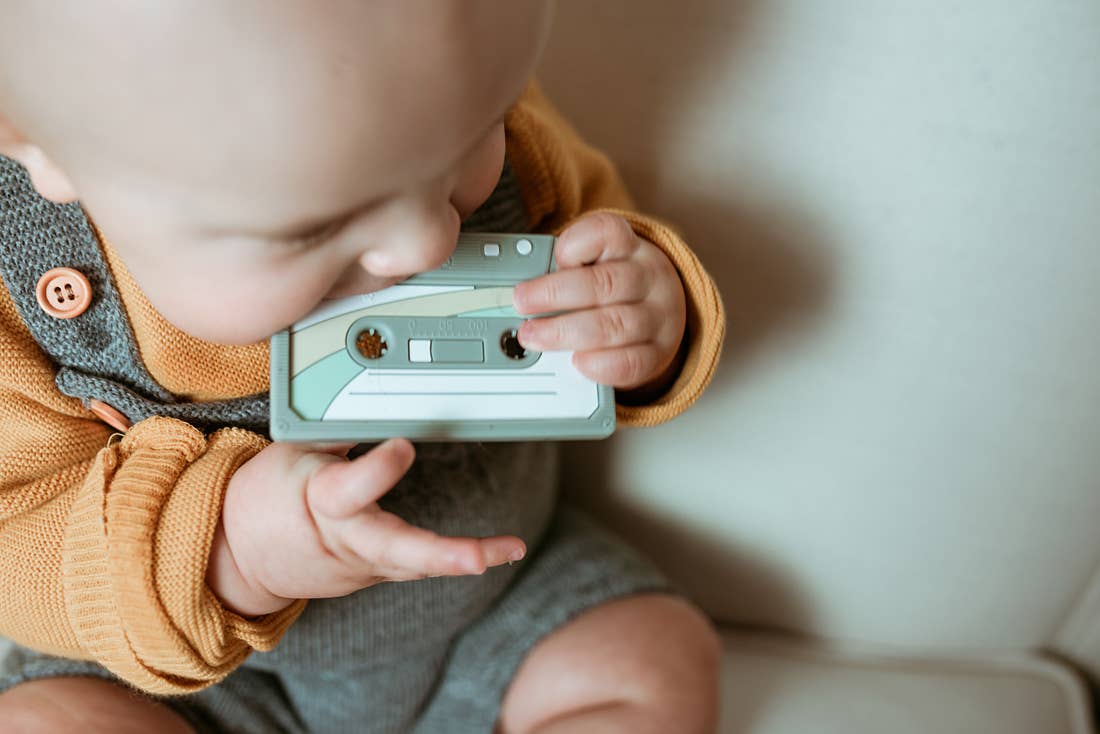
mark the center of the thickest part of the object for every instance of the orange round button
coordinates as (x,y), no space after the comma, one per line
(63,293)
(109,415)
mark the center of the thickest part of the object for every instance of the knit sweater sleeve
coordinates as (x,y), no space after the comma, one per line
(104,539)
(562,178)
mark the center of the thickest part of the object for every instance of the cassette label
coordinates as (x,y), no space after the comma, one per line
(434,357)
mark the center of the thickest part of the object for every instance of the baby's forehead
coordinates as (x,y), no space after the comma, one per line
(256,94)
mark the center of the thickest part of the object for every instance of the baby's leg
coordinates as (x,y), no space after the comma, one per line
(646,663)
(85,705)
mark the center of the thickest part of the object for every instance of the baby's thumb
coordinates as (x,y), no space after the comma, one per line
(339,489)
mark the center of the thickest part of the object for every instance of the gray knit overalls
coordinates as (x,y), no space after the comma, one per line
(427,656)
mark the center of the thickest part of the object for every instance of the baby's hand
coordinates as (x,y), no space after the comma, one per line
(626,300)
(304,523)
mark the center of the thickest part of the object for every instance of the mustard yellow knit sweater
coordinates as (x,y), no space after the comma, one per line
(104,538)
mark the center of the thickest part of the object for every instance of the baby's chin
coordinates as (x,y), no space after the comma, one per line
(233,335)
(227,327)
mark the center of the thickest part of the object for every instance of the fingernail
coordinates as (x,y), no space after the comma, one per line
(517,554)
(526,338)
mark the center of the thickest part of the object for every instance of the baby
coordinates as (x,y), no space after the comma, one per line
(235,164)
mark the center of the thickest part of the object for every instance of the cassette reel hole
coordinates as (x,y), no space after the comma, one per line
(509,344)
(371,344)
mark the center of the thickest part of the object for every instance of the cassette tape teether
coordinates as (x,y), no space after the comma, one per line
(434,357)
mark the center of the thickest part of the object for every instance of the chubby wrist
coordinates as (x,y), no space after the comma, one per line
(233,589)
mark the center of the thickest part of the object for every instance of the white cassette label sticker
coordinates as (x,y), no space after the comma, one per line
(550,388)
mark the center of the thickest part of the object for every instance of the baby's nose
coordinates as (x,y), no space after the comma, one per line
(415,247)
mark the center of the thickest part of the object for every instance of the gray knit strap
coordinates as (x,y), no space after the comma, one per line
(96,354)
(250,412)
(37,235)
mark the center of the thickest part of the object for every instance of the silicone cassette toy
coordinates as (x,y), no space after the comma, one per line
(434,357)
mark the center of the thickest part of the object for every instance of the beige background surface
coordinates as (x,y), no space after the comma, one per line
(901,205)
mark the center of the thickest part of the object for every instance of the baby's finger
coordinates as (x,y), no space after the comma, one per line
(339,489)
(336,449)
(595,328)
(388,542)
(502,549)
(595,238)
(615,281)
(496,551)
(625,367)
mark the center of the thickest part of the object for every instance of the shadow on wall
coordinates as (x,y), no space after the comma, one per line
(627,74)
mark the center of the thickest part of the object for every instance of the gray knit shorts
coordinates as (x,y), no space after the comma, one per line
(451,688)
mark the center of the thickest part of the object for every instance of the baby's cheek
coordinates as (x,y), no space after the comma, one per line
(480,173)
(231,293)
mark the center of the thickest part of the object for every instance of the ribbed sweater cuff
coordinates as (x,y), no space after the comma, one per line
(135,554)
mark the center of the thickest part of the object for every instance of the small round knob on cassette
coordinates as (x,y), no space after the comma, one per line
(509,344)
(371,344)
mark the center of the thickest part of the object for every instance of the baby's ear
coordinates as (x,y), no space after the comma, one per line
(50,181)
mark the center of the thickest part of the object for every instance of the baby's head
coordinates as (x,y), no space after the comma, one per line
(247,159)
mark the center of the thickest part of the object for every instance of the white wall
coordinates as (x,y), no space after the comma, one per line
(901,204)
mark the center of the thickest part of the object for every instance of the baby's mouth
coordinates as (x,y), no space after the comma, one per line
(360,284)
